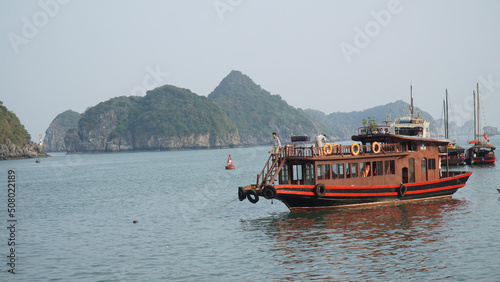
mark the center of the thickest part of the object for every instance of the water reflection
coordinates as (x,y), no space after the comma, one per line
(364,243)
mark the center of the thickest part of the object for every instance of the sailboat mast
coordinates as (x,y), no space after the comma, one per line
(444,119)
(475,123)
(447,133)
(411,100)
(478,115)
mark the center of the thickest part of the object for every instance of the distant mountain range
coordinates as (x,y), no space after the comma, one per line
(237,113)
(466,129)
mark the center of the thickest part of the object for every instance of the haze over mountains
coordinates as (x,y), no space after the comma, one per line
(238,112)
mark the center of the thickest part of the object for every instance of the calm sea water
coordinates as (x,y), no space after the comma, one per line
(75,212)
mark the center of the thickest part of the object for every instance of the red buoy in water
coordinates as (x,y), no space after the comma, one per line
(230,163)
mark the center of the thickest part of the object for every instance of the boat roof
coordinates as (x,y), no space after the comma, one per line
(484,145)
(389,136)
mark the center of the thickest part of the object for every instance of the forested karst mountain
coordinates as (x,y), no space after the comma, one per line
(257,113)
(15,141)
(54,135)
(168,117)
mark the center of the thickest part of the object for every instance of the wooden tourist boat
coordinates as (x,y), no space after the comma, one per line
(383,168)
(481,152)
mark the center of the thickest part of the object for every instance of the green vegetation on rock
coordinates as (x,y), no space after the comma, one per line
(257,113)
(172,111)
(165,113)
(11,128)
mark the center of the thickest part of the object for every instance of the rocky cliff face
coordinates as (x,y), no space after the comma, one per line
(55,134)
(99,139)
(11,151)
(167,118)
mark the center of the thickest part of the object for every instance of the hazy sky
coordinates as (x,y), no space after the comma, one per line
(326,55)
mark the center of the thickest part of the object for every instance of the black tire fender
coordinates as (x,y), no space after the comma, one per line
(252,196)
(402,190)
(269,192)
(320,190)
(242,194)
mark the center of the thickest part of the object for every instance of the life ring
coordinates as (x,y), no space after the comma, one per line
(252,196)
(241,193)
(376,147)
(269,192)
(290,150)
(402,190)
(327,149)
(320,190)
(353,152)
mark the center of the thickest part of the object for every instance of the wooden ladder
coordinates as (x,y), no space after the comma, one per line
(271,169)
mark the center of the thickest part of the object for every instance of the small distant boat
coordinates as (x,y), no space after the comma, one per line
(230,164)
(481,152)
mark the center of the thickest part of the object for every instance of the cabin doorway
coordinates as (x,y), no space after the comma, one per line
(424,170)
(405,175)
(411,170)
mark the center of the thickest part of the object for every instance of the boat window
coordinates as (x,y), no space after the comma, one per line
(327,171)
(341,171)
(335,171)
(412,147)
(354,170)
(402,147)
(432,163)
(389,167)
(365,169)
(377,168)
(284,175)
(296,172)
(309,174)
(319,170)
(411,169)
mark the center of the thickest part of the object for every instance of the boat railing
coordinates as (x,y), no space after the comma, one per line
(296,152)
(271,168)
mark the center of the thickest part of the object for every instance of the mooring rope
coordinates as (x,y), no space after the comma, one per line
(220,207)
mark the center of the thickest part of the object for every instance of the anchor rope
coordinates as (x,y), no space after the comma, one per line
(220,207)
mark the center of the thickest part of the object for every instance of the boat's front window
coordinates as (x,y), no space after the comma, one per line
(335,171)
(284,175)
(297,173)
(341,171)
(323,171)
(309,174)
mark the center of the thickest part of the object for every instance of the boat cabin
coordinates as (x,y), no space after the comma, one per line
(380,159)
